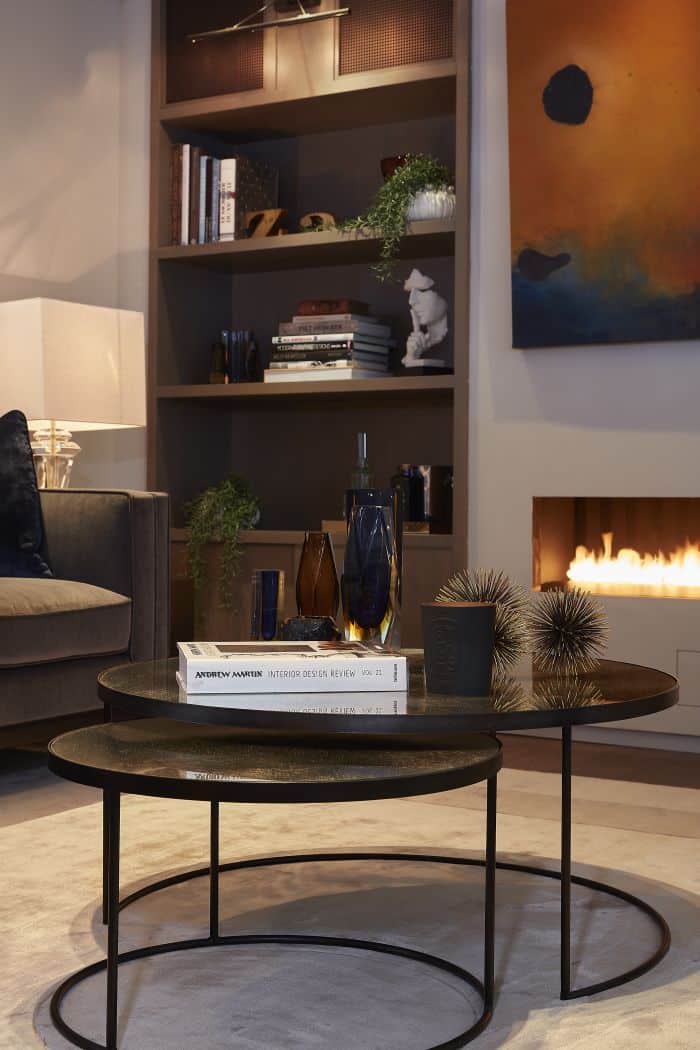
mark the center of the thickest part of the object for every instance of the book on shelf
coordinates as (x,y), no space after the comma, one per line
(345,346)
(193,221)
(204,204)
(377,358)
(330,337)
(329,357)
(184,155)
(330,307)
(210,196)
(319,366)
(386,703)
(351,324)
(290,667)
(296,375)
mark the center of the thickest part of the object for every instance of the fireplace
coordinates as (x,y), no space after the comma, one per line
(641,556)
(621,546)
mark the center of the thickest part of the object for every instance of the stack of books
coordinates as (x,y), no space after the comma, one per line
(329,346)
(210,196)
(325,677)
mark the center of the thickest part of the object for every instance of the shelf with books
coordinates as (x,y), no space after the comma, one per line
(325,131)
(425,239)
(387,385)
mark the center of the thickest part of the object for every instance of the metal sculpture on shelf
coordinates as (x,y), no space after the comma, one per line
(429,319)
(249,25)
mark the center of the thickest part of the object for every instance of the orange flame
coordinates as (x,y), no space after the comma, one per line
(629,572)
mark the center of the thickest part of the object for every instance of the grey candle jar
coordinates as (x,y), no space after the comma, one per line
(458,639)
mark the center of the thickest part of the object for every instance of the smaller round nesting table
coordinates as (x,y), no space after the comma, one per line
(167,759)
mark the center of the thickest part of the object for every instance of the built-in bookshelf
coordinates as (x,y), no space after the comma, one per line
(325,132)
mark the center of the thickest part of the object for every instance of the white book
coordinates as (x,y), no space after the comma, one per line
(227,199)
(185,203)
(327,337)
(310,366)
(202,231)
(389,703)
(215,195)
(354,350)
(290,667)
(300,375)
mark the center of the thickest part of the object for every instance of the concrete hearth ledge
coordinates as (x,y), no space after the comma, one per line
(309,999)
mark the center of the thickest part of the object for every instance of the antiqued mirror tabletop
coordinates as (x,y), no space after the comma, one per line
(525,699)
(163,757)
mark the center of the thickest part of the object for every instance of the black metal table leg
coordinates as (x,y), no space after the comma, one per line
(113,804)
(490,899)
(105,840)
(105,860)
(565,863)
(567,991)
(214,873)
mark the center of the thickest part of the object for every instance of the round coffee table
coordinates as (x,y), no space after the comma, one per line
(166,759)
(526,700)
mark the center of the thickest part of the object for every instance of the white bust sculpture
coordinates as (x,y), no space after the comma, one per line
(429,317)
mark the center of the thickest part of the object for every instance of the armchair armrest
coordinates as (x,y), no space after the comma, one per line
(118,540)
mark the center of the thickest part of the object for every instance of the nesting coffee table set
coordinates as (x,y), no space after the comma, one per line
(178,749)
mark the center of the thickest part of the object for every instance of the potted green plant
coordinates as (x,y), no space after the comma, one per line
(219,515)
(420,181)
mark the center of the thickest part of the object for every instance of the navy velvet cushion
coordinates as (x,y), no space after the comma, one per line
(22,548)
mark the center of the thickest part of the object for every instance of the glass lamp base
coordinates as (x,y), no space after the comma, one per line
(54,453)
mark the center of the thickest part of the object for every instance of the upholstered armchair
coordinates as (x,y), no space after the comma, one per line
(107,603)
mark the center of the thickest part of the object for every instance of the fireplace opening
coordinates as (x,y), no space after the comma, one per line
(638,546)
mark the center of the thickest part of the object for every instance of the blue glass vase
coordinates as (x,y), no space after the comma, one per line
(371,576)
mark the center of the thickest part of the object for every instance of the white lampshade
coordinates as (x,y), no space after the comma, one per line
(81,367)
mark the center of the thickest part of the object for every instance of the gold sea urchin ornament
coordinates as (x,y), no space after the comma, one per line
(568,631)
(490,585)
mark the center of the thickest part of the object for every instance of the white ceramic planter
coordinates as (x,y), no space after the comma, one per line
(432,204)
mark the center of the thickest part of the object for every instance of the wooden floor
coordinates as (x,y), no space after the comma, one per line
(641,765)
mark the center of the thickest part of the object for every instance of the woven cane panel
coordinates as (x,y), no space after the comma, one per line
(218,66)
(378,34)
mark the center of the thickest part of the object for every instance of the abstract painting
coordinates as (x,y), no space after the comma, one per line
(604,124)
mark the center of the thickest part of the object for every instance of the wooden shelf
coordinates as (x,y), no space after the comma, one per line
(391,385)
(276,537)
(423,240)
(239,117)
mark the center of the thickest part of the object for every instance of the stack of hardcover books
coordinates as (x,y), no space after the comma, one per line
(210,196)
(329,677)
(329,346)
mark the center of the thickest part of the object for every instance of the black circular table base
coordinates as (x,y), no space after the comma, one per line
(375,946)
(284,939)
(474,862)
(431,858)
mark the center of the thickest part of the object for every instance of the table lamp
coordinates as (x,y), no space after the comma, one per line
(70,367)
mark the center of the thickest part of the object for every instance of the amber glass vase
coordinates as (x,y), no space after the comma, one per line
(318,591)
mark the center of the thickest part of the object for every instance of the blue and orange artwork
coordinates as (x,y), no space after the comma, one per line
(604,124)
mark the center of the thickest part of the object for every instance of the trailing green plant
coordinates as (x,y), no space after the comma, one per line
(219,515)
(387,213)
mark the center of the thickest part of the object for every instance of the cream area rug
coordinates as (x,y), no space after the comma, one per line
(643,839)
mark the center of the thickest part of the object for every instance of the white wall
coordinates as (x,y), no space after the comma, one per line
(73,179)
(595,421)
